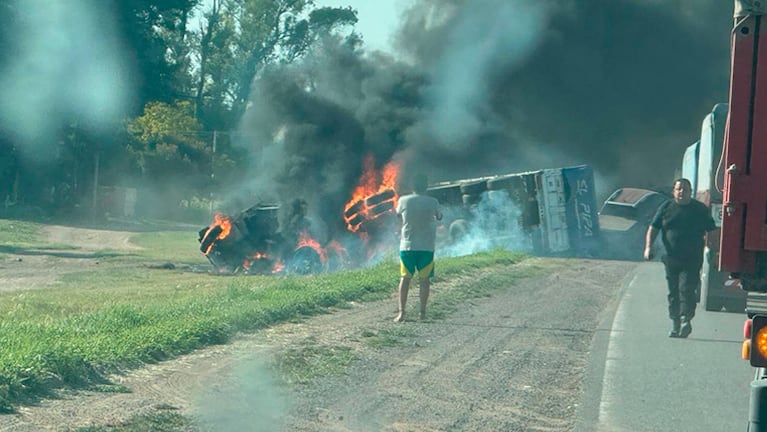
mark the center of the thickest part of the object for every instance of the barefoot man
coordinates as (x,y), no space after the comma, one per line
(419,213)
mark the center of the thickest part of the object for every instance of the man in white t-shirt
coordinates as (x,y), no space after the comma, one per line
(419,213)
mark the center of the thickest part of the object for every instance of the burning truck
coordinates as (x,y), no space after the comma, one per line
(255,242)
(544,212)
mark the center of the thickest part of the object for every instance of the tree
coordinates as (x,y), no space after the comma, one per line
(146,27)
(167,145)
(239,37)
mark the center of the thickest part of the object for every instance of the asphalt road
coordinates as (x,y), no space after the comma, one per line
(640,380)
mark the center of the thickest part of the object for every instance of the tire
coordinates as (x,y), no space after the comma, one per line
(201,233)
(305,261)
(209,238)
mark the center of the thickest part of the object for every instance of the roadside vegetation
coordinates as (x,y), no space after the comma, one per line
(18,234)
(115,318)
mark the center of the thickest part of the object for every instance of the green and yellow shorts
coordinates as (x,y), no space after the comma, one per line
(415,261)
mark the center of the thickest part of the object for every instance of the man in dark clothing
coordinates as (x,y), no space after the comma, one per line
(683,223)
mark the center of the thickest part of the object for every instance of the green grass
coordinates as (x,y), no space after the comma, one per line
(112,319)
(175,246)
(19,234)
(159,421)
(480,286)
(387,337)
(302,364)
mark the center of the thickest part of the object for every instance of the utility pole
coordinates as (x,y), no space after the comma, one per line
(212,172)
(96,160)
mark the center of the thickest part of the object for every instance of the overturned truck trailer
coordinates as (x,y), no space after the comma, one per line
(549,212)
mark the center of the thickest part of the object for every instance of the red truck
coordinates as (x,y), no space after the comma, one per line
(703,165)
(743,239)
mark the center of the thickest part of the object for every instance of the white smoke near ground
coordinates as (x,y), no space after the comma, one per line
(247,400)
(67,66)
(493,223)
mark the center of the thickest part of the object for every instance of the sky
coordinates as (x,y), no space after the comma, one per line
(378,19)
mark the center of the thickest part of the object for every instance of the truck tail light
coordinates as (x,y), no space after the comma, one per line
(745,351)
(758,340)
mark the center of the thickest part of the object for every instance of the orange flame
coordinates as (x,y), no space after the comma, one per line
(256,256)
(371,183)
(338,254)
(226,227)
(336,247)
(305,239)
(367,185)
(278,267)
(389,176)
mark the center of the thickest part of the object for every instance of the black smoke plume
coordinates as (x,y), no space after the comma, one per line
(492,86)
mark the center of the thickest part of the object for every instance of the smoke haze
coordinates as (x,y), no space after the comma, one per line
(248,398)
(487,87)
(66,66)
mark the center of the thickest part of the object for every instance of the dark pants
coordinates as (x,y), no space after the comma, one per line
(683,277)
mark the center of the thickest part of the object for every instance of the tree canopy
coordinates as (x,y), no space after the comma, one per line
(189,67)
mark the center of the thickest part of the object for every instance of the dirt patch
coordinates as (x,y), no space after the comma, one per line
(72,249)
(90,239)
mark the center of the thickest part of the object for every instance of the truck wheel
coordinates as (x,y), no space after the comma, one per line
(305,261)
(210,237)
